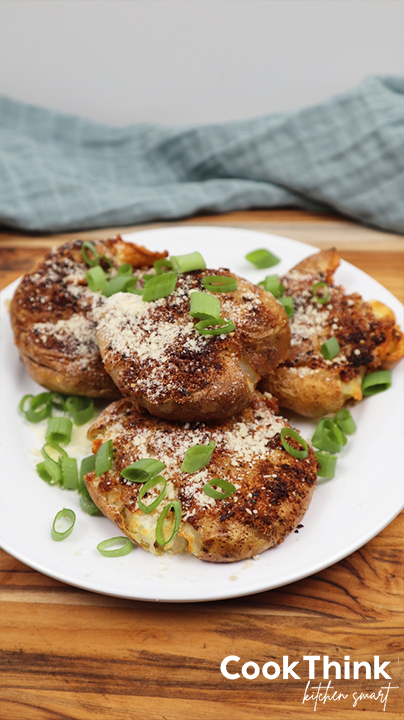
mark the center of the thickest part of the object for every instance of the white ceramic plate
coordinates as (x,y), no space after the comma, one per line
(366,494)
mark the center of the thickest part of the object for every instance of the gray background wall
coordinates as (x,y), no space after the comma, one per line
(180,61)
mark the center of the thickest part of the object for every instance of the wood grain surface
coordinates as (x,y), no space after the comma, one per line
(68,654)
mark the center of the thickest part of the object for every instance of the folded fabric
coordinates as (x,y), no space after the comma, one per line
(60,172)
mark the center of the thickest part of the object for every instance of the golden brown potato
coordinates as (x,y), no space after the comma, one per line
(154,354)
(53,315)
(272,492)
(367,335)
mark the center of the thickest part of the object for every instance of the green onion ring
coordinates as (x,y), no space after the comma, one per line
(50,471)
(376,382)
(159,286)
(120,283)
(204,306)
(188,263)
(145,489)
(330,348)
(53,446)
(273,285)
(96,278)
(321,298)
(103,458)
(227,487)
(159,265)
(126,546)
(23,401)
(328,436)
(40,407)
(59,402)
(80,408)
(87,466)
(288,304)
(173,505)
(215,326)
(197,457)
(142,470)
(87,504)
(327,464)
(70,473)
(289,432)
(262,258)
(219,283)
(345,421)
(64,514)
(89,246)
(59,430)
(125,269)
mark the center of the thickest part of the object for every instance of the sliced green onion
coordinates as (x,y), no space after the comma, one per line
(40,407)
(49,471)
(125,546)
(125,269)
(23,401)
(227,487)
(148,276)
(96,278)
(204,306)
(159,265)
(120,283)
(288,304)
(70,473)
(345,421)
(321,298)
(159,480)
(328,436)
(215,326)
(173,505)
(188,262)
(273,285)
(376,382)
(88,246)
(59,402)
(197,456)
(143,470)
(87,466)
(106,260)
(88,505)
(62,516)
(103,458)
(219,283)
(327,464)
(159,286)
(54,446)
(290,433)
(59,430)
(80,408)
(262,258)
(330,348)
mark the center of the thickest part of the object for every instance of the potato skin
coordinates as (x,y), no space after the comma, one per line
(368,337)
(53,320)
(273,489)
(192,377)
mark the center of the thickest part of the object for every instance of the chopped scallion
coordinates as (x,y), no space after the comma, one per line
(290,433)
(227,488)
(204,306)
(273,285)
(67,518)
(80,408)
(219,283)
(327,464)
(330,348)
(159,286)
(324,295)
(85,249)
(125,546)
(197,456)
(120,283)
(87,504)
(142,470)
(49,471)
(376,382)
(162,265)
(262,258)
(188,262)
(160,534)
(159,480)
(70,474)
(215,326)
(96,278)
(345,421)
(328,436)
(59,430)
(87,466)
(103,458)
(288,304)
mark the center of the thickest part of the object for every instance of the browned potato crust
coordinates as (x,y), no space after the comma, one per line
(273,488)
(53,315)
(366,332)
(154,354)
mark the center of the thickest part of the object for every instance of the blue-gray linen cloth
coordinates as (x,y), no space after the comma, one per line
(59,172)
